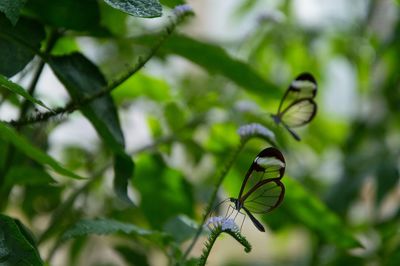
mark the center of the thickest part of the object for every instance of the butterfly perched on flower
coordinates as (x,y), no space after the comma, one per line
(262,190)
(297,106)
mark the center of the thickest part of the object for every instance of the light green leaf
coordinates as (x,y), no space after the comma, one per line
(138,8)
(9,135)
(15,88)
(12,8)
(107,226)
(313,214)
(17,246)
(216,60)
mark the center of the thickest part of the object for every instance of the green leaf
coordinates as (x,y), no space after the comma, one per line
(172,3)
(132,256)
(86,14)
(15,88)
(106,227)
(11,136)
(82,78)
(164,192)
(18,44)
(27,175)
(181,228)
(138,8)
(175,116)
(142,85)
(12,8)
(123,170)
(16,244)
(311,212)
(217,61)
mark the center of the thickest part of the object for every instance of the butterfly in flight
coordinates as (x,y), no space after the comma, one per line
(262,190)
(297,106)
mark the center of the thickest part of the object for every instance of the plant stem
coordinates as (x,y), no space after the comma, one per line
(213,237)
(220,179)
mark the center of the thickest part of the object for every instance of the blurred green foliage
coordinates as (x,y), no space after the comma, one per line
(166,129)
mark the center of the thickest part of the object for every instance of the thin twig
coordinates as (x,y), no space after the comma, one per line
(73,106)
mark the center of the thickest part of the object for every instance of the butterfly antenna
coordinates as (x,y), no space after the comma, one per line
(216,206)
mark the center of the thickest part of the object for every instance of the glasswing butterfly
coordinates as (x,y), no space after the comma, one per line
(262,190)
(297,106)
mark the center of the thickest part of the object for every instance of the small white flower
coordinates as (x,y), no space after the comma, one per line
(225,223)
(255,129)
(180,9)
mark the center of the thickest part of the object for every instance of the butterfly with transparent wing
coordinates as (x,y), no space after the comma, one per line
(262,190)
(297,106)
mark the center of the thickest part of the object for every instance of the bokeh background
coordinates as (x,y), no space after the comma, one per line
(180,115)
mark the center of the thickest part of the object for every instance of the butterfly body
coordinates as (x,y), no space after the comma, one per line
(262,191)
(297,106)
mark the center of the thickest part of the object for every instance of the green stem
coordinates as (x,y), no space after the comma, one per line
(220,179)
(213,237)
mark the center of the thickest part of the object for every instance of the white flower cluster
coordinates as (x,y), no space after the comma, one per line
(225,223)
(180,9)
(255,129)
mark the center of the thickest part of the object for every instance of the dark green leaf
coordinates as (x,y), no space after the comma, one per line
(216,61)
(86,14)
(15,88)
(12,9)
(138,8)
(27,175)
(313,213)
(132,256)
(164,192)
(82,78)
(123,170)
(105,227)
(9,135)
(18,44)
(16,244)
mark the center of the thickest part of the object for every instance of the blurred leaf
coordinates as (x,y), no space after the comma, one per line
(107,226)
(18,44)
(16,244)
(132,256)
(86,14)
(142,85)
(172,3)
(164,192)
(15,88)
(217,61)
(82,78)
(23,145)
(387,176)
(27,175)
(12,9)
(138,8)
(309,211)
(181,228)
(123,169)
(175,116)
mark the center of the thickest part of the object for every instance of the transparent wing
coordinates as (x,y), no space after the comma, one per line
(303,87)
(265,196)
(269,164)
(299,113)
